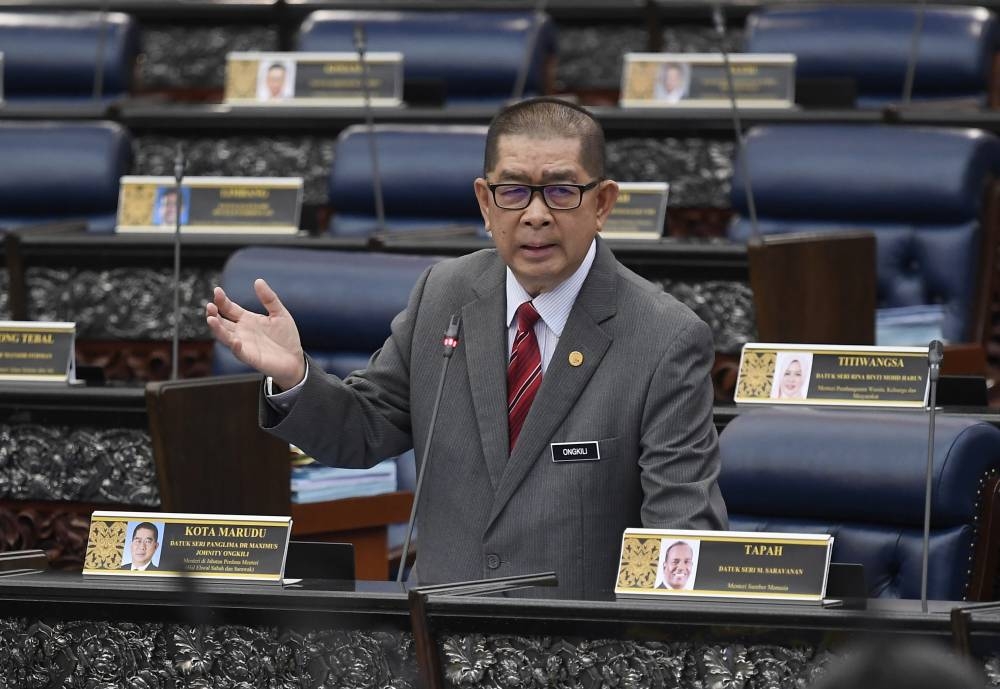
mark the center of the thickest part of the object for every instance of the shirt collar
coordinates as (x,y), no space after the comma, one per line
(553,306)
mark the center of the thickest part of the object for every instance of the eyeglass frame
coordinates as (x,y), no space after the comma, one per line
(540,189)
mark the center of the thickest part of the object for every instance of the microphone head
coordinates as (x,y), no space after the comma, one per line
(359,37)
(935,352)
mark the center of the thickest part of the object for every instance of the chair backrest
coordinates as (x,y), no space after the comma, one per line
(427,175)
(919,189)
(51,57)
(343,302)
(860,477)
(871,44)
(61,171)
(476,55)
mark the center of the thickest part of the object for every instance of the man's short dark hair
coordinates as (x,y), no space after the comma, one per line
(277,65)
(149,526)
(548,118)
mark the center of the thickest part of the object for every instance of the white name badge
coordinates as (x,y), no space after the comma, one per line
(639,213)
(210,205)
(700,80)
(38,351)
(833,375)
(321,78)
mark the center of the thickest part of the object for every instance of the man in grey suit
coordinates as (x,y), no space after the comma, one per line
(619,433)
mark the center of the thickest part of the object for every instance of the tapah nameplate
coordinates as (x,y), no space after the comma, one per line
(639,213)
(833,375)
(37,351)
(168,544)
(724,564)
(329,79)
(700,80)
(207,205)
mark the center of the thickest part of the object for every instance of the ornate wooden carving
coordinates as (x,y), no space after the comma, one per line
(60,529)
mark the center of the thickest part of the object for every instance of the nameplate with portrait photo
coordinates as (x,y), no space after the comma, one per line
(640,212)
(210,205)
(314,78)
(207,546)
(843,376)
(38,351)
(700,80)
(749,565)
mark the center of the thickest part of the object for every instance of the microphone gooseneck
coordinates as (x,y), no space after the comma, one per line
(178,190)
(360,46)
(935,355)
(450,342)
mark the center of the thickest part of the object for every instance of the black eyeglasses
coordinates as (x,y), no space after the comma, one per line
(558,197)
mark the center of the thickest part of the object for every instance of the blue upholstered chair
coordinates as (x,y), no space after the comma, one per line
(871,45)
(61,171)
(427,179)
(860,477)
(476,55)
(50,57)
(920,190)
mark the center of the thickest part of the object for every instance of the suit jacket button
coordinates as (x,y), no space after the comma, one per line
(493,561)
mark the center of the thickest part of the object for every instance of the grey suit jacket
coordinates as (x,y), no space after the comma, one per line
(642,393)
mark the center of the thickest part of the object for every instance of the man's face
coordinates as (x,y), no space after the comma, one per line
(677,566)
(542,246)
(144,545)
(673,79)
(168,209)
(275,81)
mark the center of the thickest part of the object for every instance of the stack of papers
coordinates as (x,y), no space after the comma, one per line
(314,482)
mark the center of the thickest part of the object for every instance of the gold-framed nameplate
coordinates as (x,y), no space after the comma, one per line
(326,78)
(833,375)
(699,80)
(724,564)
(639,213)
(210,205)
(168,544)
(38,351)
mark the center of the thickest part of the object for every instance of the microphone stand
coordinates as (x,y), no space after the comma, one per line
(720,29)
(360,46)
(102,31)
(521,83)
(911,65)
(178,189)
(450,343)
(935,354)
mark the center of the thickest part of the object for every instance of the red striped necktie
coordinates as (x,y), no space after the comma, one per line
(524,373)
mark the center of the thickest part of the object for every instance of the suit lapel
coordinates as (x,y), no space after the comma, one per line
(485,337)
(562,384)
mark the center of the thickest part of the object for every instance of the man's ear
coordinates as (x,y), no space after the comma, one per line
(483,197)
(607,195)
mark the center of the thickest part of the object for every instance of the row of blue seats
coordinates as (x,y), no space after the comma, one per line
(922,190)
(854,474)
(478,56)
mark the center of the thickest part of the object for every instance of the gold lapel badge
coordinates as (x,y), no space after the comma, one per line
(575,358)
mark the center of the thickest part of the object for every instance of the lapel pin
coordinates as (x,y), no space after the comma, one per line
(575,358)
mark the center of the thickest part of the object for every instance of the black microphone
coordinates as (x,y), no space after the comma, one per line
(360,45)
(531,44)
(178,178)
(935,355)
(450,342)
(720,28)
(102,31)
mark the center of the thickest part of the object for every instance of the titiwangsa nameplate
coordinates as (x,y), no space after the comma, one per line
(207,205)
(327,79)
(833,375)
(37,351)
(699,80)
(724,564)
(640,212)
(232,547)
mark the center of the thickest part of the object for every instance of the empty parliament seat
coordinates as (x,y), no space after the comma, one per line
(51,58)
(919,189)
(871,45)
(859,476)
(476,56)
(427,175)
(61,171)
